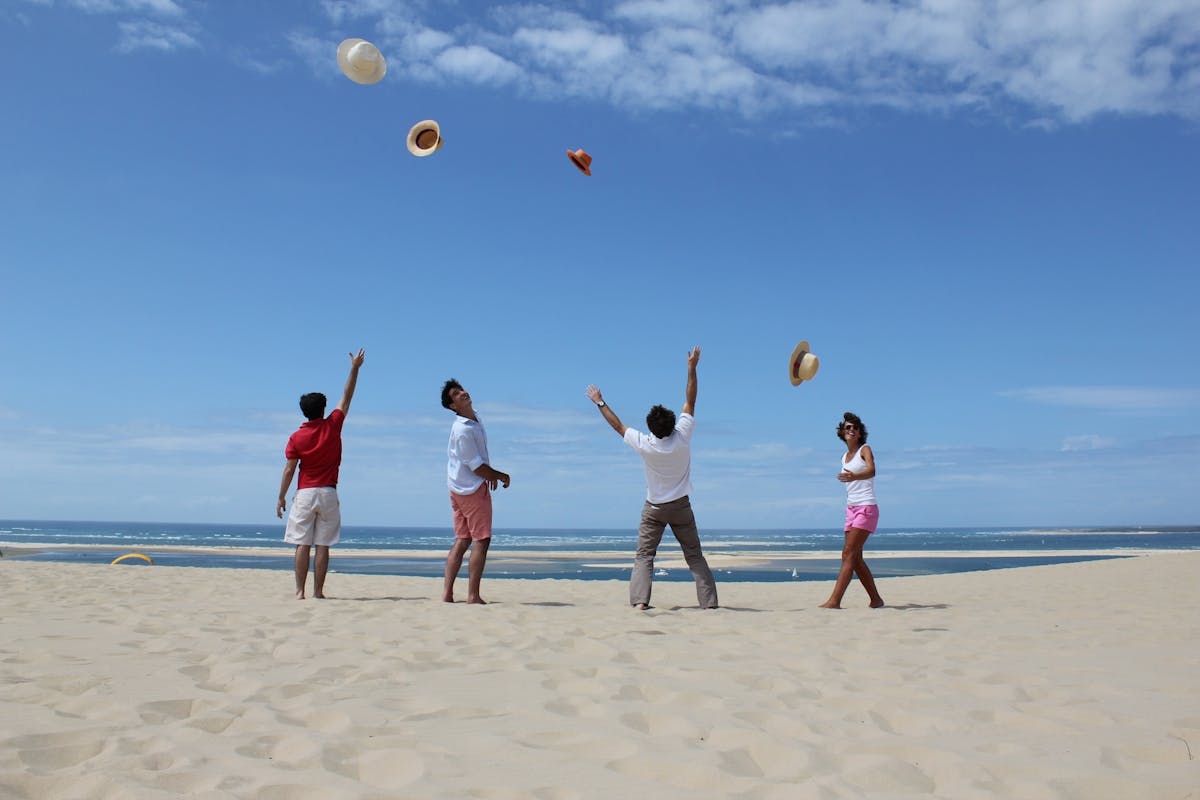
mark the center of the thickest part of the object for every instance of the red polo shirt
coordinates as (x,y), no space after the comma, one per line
(318,445)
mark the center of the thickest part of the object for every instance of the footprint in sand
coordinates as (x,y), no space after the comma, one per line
(390,768)
(577,745)
(213,723)
(575,707)
(51,752)
(544,793)
(662,725)
(160,712)
(290,751)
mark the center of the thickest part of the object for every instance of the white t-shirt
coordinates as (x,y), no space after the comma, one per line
(466,451)
(668,461)
(862,492)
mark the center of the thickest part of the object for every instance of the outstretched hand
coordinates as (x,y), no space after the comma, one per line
(594,395)
(694,356)
(357,360)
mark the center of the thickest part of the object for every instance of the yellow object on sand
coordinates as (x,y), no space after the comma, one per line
(119,559)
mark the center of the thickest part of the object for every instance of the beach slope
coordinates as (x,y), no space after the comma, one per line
(1060,682)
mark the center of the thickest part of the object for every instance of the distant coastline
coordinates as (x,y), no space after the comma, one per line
(591,554)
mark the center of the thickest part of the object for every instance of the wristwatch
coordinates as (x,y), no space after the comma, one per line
(601,404)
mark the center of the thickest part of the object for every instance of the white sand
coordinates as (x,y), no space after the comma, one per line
(1076,681)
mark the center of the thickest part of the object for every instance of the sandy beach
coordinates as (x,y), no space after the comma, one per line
(1068,681)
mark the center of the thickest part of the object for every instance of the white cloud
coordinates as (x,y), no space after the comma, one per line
(1087,442)
(319,54)
(476,64)
(167,8)
(1065,61)
(146,35)
(1110,398)
(675,12)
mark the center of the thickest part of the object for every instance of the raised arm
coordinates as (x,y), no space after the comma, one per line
(356,361)
(689,398)
(609,415)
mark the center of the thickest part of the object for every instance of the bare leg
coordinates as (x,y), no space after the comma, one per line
(851,554)
(479,552)
(868,581)
(320,567)
(453,565)
(301,569)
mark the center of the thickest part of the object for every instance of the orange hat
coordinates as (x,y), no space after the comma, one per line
(581,160)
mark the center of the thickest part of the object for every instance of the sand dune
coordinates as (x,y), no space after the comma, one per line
(1067,682)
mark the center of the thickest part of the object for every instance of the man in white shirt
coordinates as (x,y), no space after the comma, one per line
(667,456)
(471,481)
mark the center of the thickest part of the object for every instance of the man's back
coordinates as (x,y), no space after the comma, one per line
(318,445)
(668,461)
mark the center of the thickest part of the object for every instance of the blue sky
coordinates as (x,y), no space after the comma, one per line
(982,216)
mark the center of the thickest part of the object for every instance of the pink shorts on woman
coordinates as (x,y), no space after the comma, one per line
(472,514)
(865,518)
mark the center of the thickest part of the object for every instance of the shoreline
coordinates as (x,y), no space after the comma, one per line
(713,554)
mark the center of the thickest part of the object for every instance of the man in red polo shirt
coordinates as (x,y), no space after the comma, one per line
(316,518)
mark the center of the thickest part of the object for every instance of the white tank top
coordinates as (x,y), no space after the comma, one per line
(858,493)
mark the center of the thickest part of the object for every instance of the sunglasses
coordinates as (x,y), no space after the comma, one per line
(849,426)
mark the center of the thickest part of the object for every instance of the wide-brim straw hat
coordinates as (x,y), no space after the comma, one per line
(582,160)
(361,61)
(803,365)
(424,138)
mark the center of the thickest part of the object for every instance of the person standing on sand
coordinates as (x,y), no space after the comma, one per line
(862,512)
(316,517)
(667,457)
(471,481)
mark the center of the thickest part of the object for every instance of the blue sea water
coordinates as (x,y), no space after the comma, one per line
(973,548)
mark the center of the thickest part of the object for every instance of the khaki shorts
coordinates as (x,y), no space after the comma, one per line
(315,518)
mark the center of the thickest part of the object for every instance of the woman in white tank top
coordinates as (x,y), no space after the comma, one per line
(862,512)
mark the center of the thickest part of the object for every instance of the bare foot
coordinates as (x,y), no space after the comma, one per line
(319,596)
(830,604)
(447,598)
(476,601)
(642,606)
(878,603)
(300,595)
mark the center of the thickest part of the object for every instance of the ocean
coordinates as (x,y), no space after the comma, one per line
(588,554)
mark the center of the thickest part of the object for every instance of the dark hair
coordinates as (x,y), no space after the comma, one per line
(312,405)
(661,421)
(446,388)
(849,416)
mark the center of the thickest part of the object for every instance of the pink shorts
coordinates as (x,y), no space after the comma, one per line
(472,514)
(865,518)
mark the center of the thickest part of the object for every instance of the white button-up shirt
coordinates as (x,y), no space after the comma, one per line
(466,451)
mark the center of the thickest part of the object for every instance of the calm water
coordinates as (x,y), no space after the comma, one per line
(147,537)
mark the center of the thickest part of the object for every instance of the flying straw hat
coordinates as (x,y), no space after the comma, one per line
(803,365)
(581,160)
(424,138)
(361,61)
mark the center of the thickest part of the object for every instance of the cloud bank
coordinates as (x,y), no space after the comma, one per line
(1062,62)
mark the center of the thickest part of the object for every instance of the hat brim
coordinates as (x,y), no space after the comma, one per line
(343,58)
(417,130)
(796,365)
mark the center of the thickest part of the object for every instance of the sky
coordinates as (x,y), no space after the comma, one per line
(982,215)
